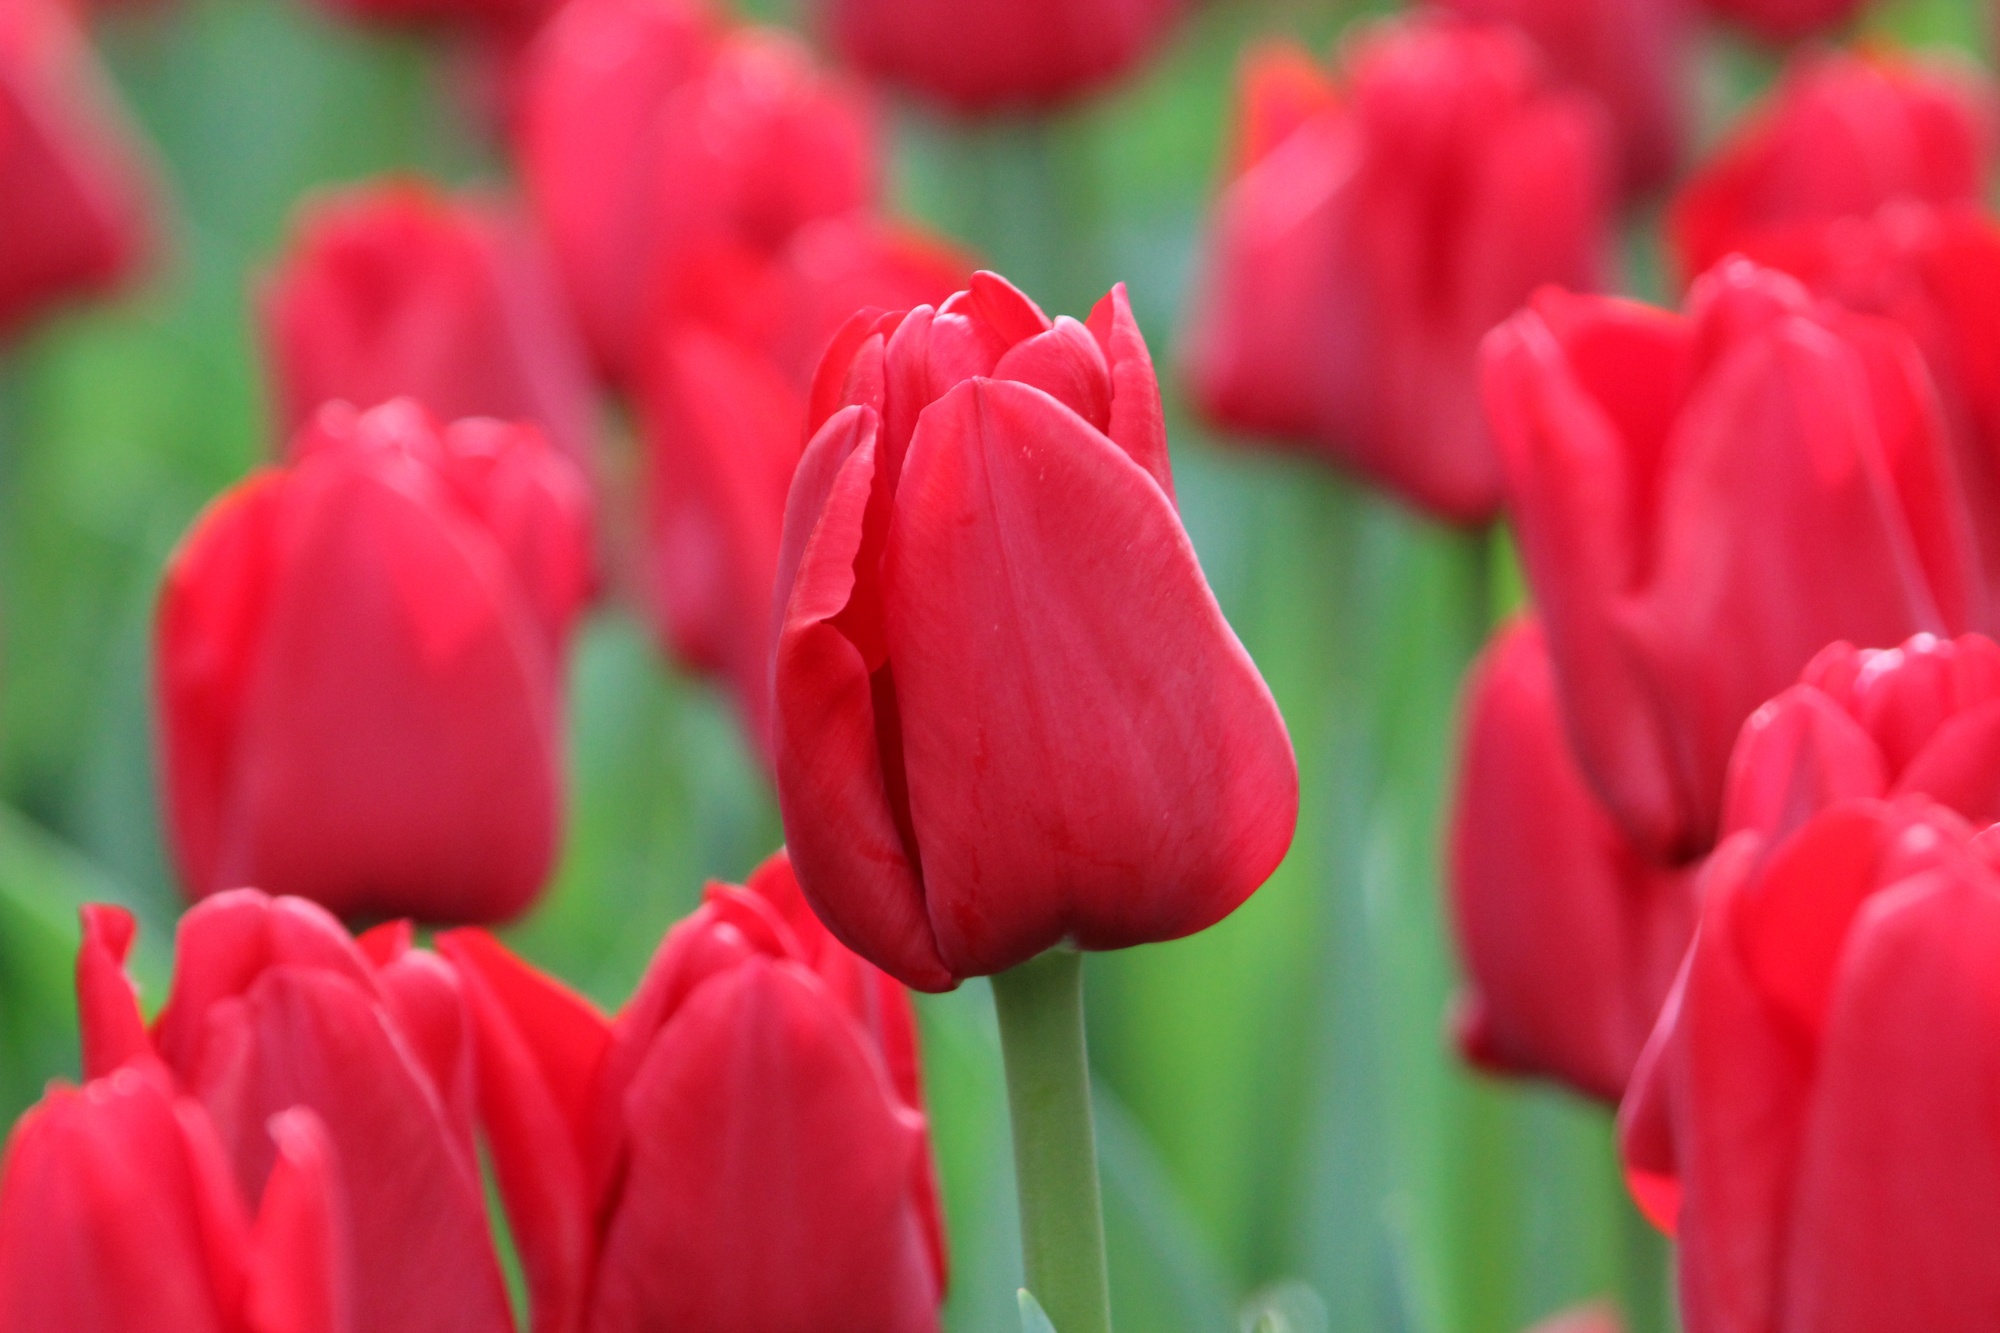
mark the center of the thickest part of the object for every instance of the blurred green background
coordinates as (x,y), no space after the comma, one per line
(1278,1099)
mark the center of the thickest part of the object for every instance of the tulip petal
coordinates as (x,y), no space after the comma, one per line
(769,1185)
(107,1004)
(1067,364)
(1796,756)
(299,1280)
(1897,1212)
(1125,777)
(1138,422)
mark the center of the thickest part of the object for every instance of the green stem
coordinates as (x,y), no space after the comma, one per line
(1055,1145)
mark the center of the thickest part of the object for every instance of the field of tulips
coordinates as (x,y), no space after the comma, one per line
(958,666)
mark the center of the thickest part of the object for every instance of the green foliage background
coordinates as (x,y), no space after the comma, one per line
(1278,1100)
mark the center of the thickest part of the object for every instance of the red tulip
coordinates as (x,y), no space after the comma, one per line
(508,17)
(1841,135)
(274,1006)
(396,290)
(742,1150)
(979,56)
(1815,1110)
(1356,264)
(78,207)
(724,408)
(1635,56)
(1704,502)
(359,664)
(1935,271)
(655,153)
(1570,937)
(117,1215)
(1778,22)
(1008,711)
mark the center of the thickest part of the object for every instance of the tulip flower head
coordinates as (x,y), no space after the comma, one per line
(1570,937)
(1356,262)
(396,290)
(78,199)
(274,1006)
(979,56)
(359,662)
(1008,712)
(1840,136)
(117,1215)
(1813,1116)
(1702,504)
(742,1149)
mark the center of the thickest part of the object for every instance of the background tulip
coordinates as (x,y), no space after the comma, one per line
(274,1006)
(1570,937)
(724,408)
(78,203)
(1840,136)
(742,1150)
(1583,1319)
(1813,1113)
(983,55)
(984,574)
(1354,266)
(1653,533)
(359,664)
(117,1216)
(1634,56)
(397,290)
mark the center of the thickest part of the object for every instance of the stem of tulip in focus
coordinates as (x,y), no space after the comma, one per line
(1055,1142)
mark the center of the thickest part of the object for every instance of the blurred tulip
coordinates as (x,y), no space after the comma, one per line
(1778,22)
(1594,1318)
(1008,711)
(1814,1113)
(658,155)
(274,1006)
(1702,504)
(117,1215)
(76,189)
(395,290)
(359,665)
(1635,56)
(1570,937)
(478,16)
(978,56)
(724,410)
(1357,262)
(1841,135)
(742,1150)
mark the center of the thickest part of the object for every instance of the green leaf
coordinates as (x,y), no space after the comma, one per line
(1289,1307)
(1033,1320)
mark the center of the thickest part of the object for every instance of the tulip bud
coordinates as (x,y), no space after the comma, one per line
(117,1215)
(1570,937)
(1814,1113)
(1355,265)
(395,290)
(1840,136)
(723,405)
(742,1150)
(275,1006)
(359,669)
(978,56)
(1634,56)
(1766,473)
(1008,711)
(78,207)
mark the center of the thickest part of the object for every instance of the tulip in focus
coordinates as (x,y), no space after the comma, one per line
(395,290)
(275,1006)
(118,1215)
(1357,260)
(1703,502)
(1634,56)
(1814,1114)
(1841,135)
(979,56)
(76,190)
(723,408)
(743,1149)
(1570,938)
(1009,713)
(359,665)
